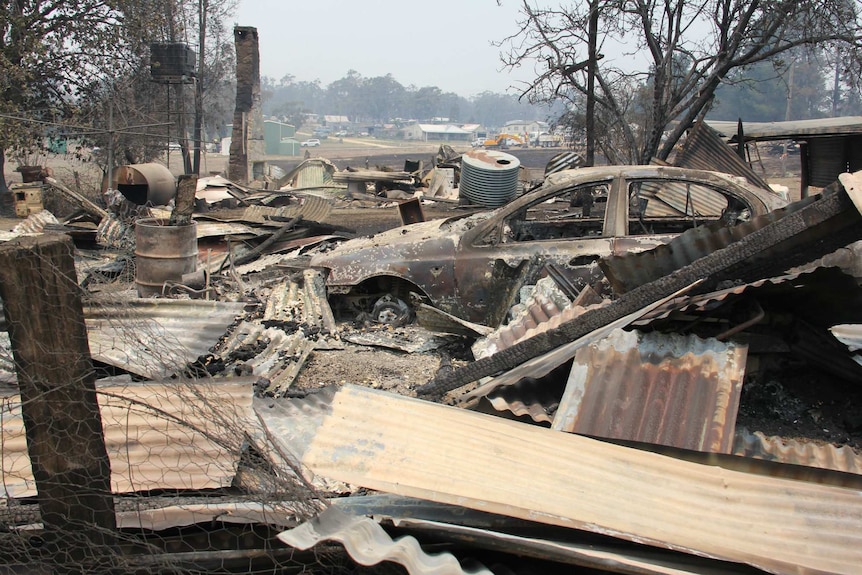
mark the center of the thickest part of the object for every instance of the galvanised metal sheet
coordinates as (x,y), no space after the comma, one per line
(421,449)
(159,435)
(155,337)
(666,389)
(369,544)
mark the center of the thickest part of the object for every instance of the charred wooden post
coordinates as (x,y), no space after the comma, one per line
(184,203)
(58,401)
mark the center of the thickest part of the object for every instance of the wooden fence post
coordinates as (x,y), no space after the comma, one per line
(58,401)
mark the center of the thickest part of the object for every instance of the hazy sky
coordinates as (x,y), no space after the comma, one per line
(443,43)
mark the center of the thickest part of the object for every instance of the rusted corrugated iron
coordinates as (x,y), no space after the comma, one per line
(703,149)
(34,223)
(807,453)
(454,456)
(544,364)
(311,208)
(628,269)
(369,544)
(159,435)
(311,173)
(655,388)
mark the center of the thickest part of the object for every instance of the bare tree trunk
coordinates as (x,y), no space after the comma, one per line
(203,7)
(6,202)
(591,83)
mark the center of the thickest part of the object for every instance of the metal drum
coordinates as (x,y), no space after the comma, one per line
(163,253)
(489,178)
(145,184)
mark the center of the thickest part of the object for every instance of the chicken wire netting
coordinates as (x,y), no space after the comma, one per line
(108,470)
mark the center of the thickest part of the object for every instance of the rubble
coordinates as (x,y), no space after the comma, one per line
(654,418)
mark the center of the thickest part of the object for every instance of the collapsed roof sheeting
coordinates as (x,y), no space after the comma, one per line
(154,338)
(809,454)
(311,173)
(667,389)
(455,456)
(704,149)
(159,435)
(793,129)
(477,529)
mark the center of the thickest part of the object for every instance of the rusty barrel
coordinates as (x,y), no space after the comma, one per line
(163,253)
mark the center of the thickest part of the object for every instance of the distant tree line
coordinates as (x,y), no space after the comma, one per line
(382,99)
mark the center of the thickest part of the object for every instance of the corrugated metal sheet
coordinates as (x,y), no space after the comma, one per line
(631,269)
(154,337)
(35,223)
(525,399)
(703,149)
(311,208)
(793,129)
(667,389)
(545,302)
(369,544)
(175,435)
(809,454)
(455,456)
(476,529)
(277,355)
(826,159)
(544,364)
(311,173)
(306,303)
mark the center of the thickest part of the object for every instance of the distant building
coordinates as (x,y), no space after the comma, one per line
(531,128)
(339,120)
(436,133)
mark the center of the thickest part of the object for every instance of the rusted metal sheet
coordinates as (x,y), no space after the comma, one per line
(525,399)
(34,224)
(169,435)
(704,150)
(544,364)
(809,454)
(155,338)
(369,544)
(305,303)
(311,208)
(451,455)
(667,389)
(629,269)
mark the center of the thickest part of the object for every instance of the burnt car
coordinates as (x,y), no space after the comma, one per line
(471,265)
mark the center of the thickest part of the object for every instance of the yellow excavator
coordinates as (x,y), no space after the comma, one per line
(504,141)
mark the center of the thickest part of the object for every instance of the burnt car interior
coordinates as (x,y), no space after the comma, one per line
(661,206)
(572,213)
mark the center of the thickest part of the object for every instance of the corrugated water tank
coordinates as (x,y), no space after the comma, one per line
(489,178)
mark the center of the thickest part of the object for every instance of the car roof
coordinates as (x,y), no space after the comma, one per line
(733,184)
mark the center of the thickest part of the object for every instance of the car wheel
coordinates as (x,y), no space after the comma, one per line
(391,311)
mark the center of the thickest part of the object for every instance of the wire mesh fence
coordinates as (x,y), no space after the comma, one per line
(151,468)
